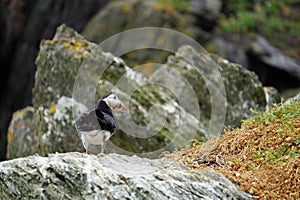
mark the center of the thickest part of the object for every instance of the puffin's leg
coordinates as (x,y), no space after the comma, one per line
(86,146)
(87,151)
(102,147)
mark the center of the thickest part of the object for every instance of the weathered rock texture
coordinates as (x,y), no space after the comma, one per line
(243,88)
(43,130)
(70,66)
(23,25)
(81,176)
(60,62)
(126,15)
(273,67)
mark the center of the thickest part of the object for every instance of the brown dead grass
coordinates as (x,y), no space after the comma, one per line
(261,157)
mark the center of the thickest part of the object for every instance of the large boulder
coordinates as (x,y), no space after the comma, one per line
(113,176)
(243,88)
(125,15)
(273,67)
(70,66)
(23,25)
(72,74)
(44,130)
(122,15)
(158,119)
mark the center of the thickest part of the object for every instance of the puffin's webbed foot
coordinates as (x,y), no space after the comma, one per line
(101,154)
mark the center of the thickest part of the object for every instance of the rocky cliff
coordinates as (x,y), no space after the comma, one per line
(72,73)
(81,176)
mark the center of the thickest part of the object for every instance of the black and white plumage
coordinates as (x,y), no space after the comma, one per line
(98,125)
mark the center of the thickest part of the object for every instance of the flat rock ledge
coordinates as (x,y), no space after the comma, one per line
(112,176)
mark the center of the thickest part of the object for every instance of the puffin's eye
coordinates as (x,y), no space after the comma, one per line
(115,97)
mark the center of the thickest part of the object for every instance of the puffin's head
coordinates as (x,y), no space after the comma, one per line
(113,102)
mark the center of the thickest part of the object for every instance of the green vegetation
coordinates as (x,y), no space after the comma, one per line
(262,157)
(177,4)
(276,20)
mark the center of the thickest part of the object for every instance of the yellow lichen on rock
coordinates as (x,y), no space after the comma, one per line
(78,56)
(74,45)
(124,8)
(10,136)
(52,108)
(164,7)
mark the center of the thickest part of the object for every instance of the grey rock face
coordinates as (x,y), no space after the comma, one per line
(81,176)
(229,50)
(23,25)
(274,57)
(206,9)
(23,139)
(295,98)
(71,66)
(243,89)
(273,67)
(122,16)
(272,96)
(44,130)
(158,119)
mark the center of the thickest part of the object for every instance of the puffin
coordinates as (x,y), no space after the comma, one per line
(96,126)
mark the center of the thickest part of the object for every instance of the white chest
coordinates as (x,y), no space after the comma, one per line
(95,137)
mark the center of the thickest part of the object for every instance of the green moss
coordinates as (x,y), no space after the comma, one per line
(277,20)
(176,4)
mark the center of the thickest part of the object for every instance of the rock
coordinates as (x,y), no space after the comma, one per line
(228,50)
(207,12)
(129,14)
(272,66)
(158,119)
(81,176)
(44,130)
(73,73)
(243,88)
(23,25)
(274,57)
(205,7)
(272,96)
(122,15)
(23,138)
(73,67)
(57,64)
(244,91)
(295,98)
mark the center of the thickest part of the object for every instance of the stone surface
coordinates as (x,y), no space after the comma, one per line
(229,50)
(274,57)
(243,88)
(71,66)
(57,64)
(23,139)
(81,176)
(125,15)
(23,25)
(206,12)
(162,116)
(44,130)
(295,98)
(272,66)
(272,96)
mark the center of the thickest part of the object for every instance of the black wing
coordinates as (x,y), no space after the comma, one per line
(106,121)
(87,122)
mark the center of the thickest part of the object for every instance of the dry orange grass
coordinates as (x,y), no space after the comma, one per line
(261,157)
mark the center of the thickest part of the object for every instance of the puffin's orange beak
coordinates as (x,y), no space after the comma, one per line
(122,106)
